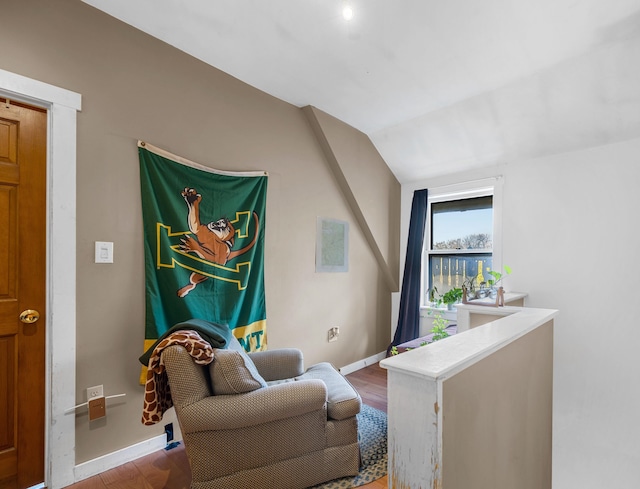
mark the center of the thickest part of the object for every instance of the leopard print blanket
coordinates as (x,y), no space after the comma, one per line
(157,396)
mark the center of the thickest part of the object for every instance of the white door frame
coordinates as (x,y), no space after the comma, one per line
(62,108)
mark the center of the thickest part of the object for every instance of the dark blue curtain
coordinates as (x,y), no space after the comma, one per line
(409,316)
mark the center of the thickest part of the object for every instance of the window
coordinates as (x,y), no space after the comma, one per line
(461,234)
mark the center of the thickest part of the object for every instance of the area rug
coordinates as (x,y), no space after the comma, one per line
(372,437)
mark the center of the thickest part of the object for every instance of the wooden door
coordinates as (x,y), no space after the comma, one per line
(23,133)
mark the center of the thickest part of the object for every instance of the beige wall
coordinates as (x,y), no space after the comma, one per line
(366,183)
(497,418)
(135,87)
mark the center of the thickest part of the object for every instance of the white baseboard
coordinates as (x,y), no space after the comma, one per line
(109,461)
(355,366)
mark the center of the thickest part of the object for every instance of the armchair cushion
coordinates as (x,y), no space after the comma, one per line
(280,364)
(343,401)
(233,372)
(254,408)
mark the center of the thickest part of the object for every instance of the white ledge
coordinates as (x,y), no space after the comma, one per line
(444,358)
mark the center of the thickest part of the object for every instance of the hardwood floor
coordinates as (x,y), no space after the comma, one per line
(170,469)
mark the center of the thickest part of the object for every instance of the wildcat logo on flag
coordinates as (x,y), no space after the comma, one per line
(204,246)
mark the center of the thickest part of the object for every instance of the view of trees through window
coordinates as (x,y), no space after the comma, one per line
(479,241)
(461,242)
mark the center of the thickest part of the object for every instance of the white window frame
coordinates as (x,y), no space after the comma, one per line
(468,190)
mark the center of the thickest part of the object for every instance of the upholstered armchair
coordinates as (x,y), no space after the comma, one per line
(260,420)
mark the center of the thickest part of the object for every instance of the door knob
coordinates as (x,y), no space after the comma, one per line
(29,316)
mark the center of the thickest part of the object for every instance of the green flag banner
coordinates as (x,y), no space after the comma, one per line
(203,246)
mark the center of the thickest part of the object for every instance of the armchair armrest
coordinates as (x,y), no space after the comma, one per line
(283,363)
(253,408)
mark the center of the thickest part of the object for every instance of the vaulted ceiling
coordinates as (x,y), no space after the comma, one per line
(440,86)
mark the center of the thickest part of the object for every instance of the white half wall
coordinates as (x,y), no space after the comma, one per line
(570,236)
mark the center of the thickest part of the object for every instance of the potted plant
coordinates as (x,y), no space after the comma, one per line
(452,296)
(497,277)
(434,297)
(439,329)
(469,284)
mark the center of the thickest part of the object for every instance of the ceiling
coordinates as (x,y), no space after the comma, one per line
(440,86)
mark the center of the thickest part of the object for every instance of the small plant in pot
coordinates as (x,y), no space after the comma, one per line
(452,296)
(497,277)
(434,297)
(439,329)
(469,284)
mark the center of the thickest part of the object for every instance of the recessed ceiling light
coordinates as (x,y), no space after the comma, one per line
(347,12)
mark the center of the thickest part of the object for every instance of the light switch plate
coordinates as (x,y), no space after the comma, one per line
(104,252)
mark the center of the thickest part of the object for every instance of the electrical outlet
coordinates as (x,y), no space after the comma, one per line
(94,392)
(333,334)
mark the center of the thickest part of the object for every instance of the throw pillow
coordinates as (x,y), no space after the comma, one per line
(233,372)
